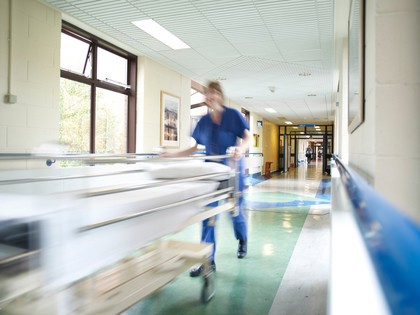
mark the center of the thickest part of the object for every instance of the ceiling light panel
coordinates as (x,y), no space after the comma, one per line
(157,31)
(270,110)
(227,37)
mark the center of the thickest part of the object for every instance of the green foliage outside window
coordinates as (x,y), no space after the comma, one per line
(75,116)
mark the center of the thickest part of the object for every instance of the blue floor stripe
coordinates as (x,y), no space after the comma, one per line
(293,203)
(254,179)
(324,189)
(323,196)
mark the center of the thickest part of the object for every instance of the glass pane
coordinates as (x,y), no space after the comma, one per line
(197,97)
(111,67)
(295,129)
(75,116)
(320,128)
(330,129)
(329,146)
(75,55)
(314,130)
(199,111)
(111,122)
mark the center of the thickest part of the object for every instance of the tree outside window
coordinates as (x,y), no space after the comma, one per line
(97,94)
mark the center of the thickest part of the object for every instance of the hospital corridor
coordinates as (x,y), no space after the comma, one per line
(193,157)
(287,265)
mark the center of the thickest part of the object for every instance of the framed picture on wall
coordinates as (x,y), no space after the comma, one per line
(356,73)
(256,140)
(169,128)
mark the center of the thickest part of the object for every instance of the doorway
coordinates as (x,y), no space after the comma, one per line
(294,139)
(321,149)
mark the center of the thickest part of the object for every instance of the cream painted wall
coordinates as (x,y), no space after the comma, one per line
(255,130)
(35,72)
(34,119)
(271,144)
(154,78)
(341,143)
(386,147)
(362,140)
(35,80)
(397,74)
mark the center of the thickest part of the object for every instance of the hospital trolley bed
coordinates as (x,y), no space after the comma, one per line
(90,239)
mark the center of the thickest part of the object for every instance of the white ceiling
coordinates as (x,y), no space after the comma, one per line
(250,45)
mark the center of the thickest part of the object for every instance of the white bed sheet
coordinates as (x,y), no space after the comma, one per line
(190,169)
(67,254)
(70,255)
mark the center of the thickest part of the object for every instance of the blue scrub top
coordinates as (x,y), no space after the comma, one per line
(217,138)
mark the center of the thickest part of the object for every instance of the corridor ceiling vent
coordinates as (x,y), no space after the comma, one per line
(305,74)
(160,33)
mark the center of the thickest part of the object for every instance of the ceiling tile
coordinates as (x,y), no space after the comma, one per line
(252,44)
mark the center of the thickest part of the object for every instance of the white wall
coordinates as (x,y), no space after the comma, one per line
(35,72)
(386,146)
(154,78)
(35,79)
(341,143)
(254,129)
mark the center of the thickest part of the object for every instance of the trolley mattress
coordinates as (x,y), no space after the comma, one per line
(78,236)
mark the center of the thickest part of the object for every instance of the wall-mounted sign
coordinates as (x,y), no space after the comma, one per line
(259,123)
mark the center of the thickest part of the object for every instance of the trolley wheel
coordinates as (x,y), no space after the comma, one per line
(208,290)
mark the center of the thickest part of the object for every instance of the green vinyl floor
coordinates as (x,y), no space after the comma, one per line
(243,286)
(277,209)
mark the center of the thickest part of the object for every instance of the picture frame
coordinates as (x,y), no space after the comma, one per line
(170,111)
(356,64)
(256,140)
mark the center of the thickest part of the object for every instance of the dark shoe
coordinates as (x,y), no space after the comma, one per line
(242,248)
(197,271)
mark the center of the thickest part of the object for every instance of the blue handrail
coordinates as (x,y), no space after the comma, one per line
(392,240)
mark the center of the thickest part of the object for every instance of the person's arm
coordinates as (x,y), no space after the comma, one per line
(240,149)
(181,153)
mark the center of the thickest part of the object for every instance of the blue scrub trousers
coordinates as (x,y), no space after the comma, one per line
(238,219)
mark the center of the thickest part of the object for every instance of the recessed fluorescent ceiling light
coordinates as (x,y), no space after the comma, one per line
(288,123)
(160,33)
(270,110)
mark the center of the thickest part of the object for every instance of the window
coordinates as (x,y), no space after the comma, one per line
(198,106)
(111,122)
(75,115)
(78,59)
(246,114)
(97,94)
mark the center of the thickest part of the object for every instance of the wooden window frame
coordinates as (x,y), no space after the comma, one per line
(94,83)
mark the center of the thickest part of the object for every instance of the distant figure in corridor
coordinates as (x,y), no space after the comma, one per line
(219,130)
(309,154)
